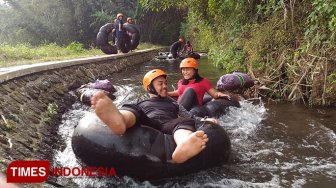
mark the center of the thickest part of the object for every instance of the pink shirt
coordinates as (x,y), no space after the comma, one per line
(200,88)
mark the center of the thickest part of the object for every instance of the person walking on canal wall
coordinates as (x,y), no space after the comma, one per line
(119,31)
(159,111)
(192,87)
(129,20)
(176,48)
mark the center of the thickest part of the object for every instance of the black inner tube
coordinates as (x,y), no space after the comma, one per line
(130,41)
(143,152)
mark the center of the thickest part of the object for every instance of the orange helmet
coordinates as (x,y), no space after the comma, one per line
(189,62)
(181,40)
(151,75)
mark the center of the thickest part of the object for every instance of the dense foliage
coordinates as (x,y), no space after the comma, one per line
(287,45)
(65,21)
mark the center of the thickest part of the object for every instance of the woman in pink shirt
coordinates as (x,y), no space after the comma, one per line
(192,88)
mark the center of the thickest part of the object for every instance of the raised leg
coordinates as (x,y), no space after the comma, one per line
(117,120)
(188,144)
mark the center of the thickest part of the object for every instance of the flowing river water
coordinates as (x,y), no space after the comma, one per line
(282,145)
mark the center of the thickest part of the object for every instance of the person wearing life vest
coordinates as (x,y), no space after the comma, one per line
(192,87)
(176,48)
(159,111)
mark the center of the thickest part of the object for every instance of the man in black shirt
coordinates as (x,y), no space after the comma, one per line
(160,112)
(176,47)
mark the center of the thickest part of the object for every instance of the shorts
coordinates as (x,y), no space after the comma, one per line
(169,127)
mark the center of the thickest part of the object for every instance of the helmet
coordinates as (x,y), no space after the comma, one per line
(129,18)
(119,14)
(181,40)
(189,62)
(151,75)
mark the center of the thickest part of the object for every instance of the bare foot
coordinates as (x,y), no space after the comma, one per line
(108,113)
(192,146)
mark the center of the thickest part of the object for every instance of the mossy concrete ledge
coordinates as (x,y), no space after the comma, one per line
(34,97)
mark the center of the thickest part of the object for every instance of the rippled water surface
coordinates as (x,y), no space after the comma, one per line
(281,145)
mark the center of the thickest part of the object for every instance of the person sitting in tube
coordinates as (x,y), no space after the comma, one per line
(188,49)
(118,25)
(192,87)
(160,112)
(176,47)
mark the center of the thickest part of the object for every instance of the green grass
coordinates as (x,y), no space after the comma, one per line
(21,54)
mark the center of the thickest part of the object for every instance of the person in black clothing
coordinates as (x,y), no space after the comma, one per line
(176,47)
(159,111)
(129,20)
(120,33)
(188,49)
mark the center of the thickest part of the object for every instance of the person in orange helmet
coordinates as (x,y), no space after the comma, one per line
(192,87)
(176,48)
(159,111)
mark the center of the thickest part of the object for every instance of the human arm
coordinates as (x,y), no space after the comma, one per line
(173,93)
(216,94)
(184,49)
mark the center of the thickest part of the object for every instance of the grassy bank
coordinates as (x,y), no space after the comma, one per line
(21,54)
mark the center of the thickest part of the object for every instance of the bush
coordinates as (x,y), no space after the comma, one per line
(231,58)
(75,47)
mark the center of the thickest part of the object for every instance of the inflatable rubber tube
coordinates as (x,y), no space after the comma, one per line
(142,152)
(161,57)
(219,107)
(134,38)
(103,39)
(214,108)
(194,55)
(198,111)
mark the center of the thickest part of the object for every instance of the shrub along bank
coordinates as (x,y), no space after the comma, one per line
(287,45)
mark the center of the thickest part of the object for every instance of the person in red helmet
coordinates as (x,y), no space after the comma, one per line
(192,88)
(159,111)
(176,48)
